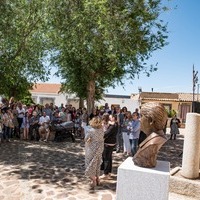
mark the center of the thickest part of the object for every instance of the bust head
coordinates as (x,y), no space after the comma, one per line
(153,117)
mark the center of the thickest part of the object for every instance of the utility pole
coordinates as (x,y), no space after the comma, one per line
(198,92)
(195,81)
(139,98)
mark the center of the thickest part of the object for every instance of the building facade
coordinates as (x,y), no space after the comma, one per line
(181,103)
(43,93)
(119,100)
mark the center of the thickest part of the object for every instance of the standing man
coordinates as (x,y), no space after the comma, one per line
(107,109)
(20,115)
(120,121)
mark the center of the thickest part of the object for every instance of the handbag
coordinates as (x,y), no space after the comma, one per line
(10,124)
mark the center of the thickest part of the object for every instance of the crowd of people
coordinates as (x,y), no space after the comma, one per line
(117,129)
(34,122)
(104,130)
(120,130)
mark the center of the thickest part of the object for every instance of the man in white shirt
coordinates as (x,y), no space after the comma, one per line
(20,115)
(44,127)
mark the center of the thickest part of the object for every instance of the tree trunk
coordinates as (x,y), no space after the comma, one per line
(12,93)
(90,96)
(81,103)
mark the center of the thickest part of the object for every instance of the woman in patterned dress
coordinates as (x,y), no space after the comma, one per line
(174,127)
(94,144)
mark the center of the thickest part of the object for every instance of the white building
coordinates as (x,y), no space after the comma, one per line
(43,93)
(119,100)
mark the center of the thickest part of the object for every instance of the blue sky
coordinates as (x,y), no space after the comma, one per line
(176,60)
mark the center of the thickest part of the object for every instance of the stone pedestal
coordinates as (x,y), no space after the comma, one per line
(191,147)
(137,183)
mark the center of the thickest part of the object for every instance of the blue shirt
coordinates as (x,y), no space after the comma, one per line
(135,129)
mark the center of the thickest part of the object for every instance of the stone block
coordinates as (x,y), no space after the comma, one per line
(137,183)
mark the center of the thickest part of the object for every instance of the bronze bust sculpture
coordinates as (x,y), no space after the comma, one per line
(153,121)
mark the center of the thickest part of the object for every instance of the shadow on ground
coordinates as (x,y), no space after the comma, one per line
(61,165)
(58,164)
(172,151)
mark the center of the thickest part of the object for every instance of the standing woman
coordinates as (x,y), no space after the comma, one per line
(15,121)
(134,133)
(109,144)
(37,108)
(26,125)
(84,121)
(94,143)
(105,121)
(124,111)
(126,132)
(113,110)
(8,124)
(174,127)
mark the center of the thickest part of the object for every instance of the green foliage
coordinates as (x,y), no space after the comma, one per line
(14,85)
(171,113)
(104,41)
(27,100)
(23,45)
(94,44)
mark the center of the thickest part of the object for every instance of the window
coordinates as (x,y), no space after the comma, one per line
(168,107)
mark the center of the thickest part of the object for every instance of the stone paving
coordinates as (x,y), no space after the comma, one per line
(37,171)
(51,171)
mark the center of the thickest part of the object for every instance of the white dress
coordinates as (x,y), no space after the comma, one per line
(93,151)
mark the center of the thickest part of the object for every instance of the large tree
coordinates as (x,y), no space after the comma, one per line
(99,42)
(23,45)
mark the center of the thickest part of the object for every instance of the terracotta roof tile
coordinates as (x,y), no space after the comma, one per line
(158,95)
(187,97)
(168,96)
(46,88)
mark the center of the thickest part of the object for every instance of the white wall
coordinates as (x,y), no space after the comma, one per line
(58,98)
(129,103)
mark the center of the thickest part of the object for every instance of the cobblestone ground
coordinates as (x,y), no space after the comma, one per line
(48,171)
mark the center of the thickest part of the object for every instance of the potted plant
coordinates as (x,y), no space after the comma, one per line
(170,114)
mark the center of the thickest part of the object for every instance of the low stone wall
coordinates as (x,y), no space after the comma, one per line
(180,185)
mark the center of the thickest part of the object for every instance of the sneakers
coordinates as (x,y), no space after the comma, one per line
(105,176)
(45,140)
